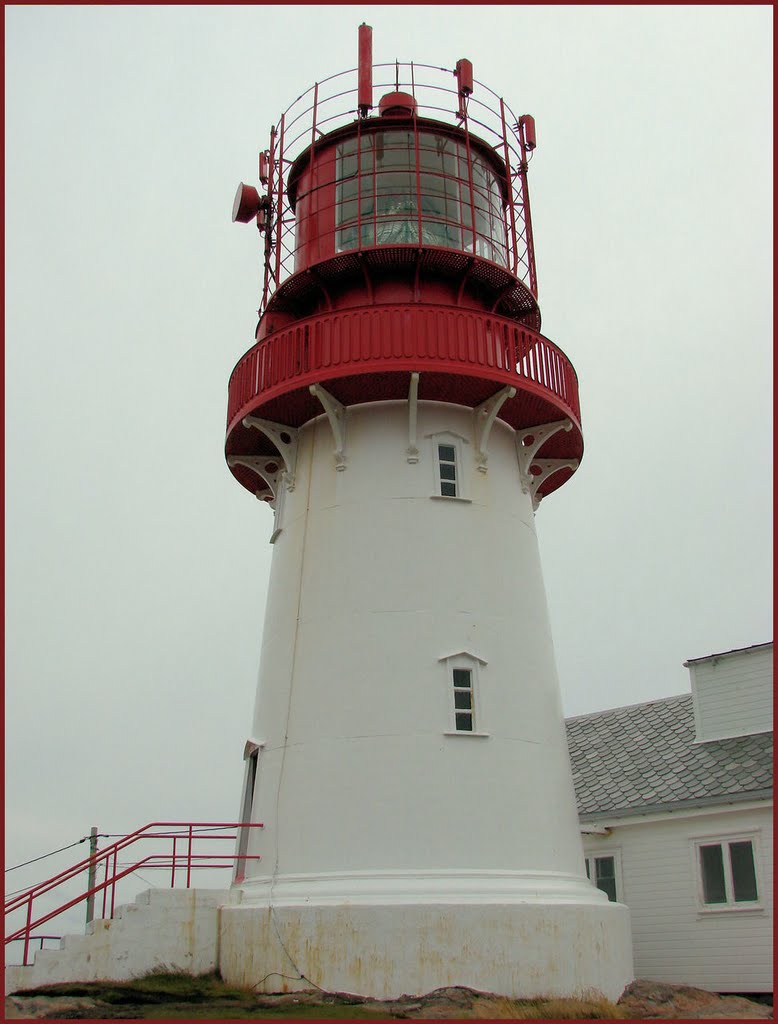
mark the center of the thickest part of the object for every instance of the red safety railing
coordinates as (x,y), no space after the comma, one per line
(334,102)
(386,338)
(182,860)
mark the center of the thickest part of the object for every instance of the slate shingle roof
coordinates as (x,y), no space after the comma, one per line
(643,757)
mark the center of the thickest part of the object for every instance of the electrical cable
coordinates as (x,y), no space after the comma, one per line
(45,855)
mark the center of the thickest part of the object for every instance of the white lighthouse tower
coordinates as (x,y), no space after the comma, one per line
(404,417)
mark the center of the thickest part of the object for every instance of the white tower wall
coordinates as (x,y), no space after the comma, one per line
(381,821)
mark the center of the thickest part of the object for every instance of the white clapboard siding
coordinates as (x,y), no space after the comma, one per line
(733,693)
(674,939)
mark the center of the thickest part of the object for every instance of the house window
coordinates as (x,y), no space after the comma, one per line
(464,711)
(727,873)
(601,871)
(447,470)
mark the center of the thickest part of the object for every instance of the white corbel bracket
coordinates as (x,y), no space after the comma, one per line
(285,440)
(529,442)
(336,414)
(412,451)
(266,466)
(546,467)
(485,415)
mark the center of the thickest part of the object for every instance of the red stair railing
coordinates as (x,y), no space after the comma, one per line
(106,860)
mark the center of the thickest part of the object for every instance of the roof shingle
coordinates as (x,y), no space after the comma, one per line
(635,759)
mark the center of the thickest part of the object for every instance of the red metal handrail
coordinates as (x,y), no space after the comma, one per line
(107,858)
(381,339)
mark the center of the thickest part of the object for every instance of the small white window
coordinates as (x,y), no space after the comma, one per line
(601,871)
(464,707)
(462,693)
(448,474)
(449,481)
(727,873)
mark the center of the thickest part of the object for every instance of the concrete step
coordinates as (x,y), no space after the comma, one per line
(174,929)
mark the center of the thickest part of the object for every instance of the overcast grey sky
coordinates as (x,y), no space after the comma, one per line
(137,567)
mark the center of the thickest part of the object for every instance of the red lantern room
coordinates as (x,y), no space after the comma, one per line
(398,256)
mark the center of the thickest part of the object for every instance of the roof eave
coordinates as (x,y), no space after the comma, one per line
(680,805)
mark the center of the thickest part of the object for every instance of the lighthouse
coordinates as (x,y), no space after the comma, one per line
(403,416)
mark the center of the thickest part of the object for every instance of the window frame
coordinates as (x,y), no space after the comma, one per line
(589,865)
(464,661)
(467,711)
(731,905)
(455,441)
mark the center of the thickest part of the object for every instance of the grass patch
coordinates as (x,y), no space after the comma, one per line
(167,995)
(156,987)
(548,1009)
(214,1011)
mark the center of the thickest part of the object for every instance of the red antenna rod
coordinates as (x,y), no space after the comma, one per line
(365,87)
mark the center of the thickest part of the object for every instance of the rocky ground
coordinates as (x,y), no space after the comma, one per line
(651,1000)
(642,1000)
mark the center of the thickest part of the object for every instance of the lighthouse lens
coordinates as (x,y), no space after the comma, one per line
(399,189)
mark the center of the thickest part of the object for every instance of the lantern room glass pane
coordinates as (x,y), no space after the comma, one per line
(402,190)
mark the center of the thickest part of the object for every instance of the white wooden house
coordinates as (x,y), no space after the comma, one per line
(675,802)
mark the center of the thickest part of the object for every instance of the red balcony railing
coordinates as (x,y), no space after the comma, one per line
(383,339)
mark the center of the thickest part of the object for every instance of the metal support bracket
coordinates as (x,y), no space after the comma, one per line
(336,414)
(546,468)
(412,451)
(529,441)
(266,466)
(485,415)
(285,440)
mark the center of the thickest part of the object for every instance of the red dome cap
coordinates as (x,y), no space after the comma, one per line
(397,104)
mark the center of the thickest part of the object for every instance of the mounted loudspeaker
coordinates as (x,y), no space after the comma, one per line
(246,205)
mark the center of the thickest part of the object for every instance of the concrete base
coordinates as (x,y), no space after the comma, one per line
(516,950)
(380,950)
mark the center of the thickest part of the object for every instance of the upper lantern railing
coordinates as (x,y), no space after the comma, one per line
(332,103)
